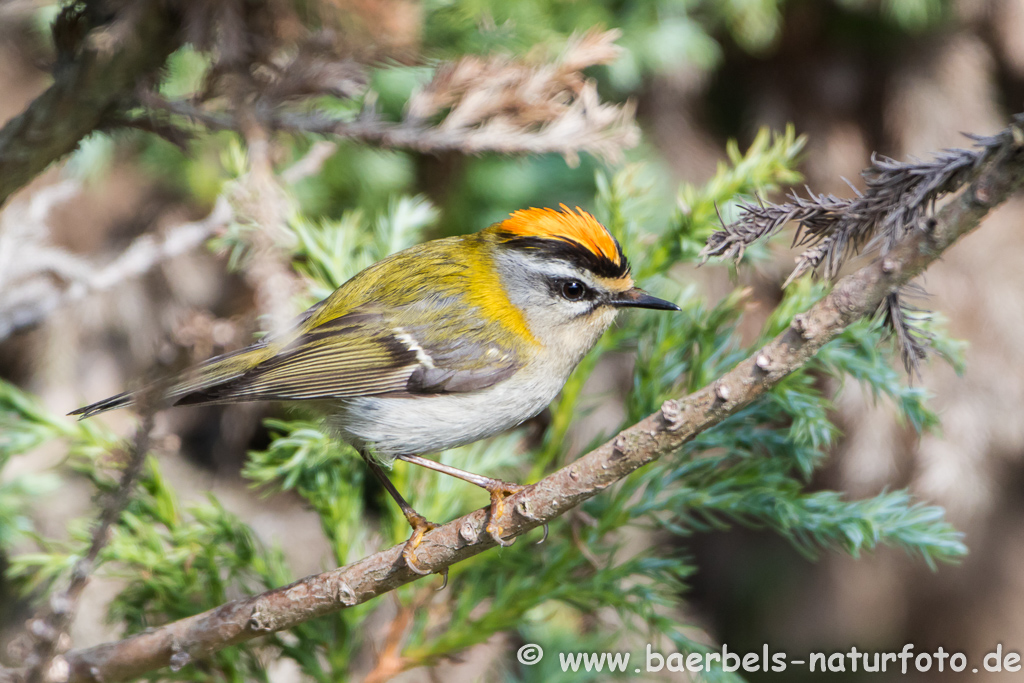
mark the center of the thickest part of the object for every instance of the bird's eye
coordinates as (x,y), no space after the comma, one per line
(573,290)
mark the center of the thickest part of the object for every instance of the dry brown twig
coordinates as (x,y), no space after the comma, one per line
(37,279)
(499,99)
(390,661)
(30,296)
(497,104)
(661,433)
(261,202)
(897,197)
(49,630)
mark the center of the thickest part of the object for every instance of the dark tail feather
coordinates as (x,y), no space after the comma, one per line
(206,383)
(120,401)
(209,382)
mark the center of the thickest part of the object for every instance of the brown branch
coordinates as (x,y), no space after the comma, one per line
(472,105)
(577,131)
(603,132)
(109,63)
(661,433)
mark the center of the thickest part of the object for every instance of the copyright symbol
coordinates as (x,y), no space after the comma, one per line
(530,654)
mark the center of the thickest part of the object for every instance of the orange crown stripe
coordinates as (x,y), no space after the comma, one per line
(579,227)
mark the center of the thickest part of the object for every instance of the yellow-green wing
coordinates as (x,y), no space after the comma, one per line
(344,357)
(364,353)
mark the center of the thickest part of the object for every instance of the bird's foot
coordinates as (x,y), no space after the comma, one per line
(500,490)
(420,525)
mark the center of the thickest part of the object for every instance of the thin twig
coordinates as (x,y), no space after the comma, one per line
(471,105)
(898,197)
(390,661)
(660,434)
(586,125)
(141,256)
(260,200)
(311,163)
(50,630)
(573,135)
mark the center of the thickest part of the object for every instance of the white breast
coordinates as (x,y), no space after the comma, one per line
(435,422)
(428,423)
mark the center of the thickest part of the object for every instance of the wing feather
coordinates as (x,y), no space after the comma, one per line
(339,366)
(365,352)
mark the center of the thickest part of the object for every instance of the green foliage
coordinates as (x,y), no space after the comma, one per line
(186,69)
(768,164)
(911,15)
(660,36)
(15,497)
(18,436)
(329,252)
(303,458)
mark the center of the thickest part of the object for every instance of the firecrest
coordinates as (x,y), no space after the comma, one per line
(439,345)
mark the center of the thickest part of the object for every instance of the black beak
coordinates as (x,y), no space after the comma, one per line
(638,298)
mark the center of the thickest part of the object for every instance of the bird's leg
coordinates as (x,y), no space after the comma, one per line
(420,525)
(498,489)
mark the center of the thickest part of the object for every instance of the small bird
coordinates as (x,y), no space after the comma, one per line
(437,346)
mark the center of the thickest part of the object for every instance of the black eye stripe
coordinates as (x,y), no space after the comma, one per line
(572,252)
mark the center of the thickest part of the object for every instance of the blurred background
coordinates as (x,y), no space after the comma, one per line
(856,77)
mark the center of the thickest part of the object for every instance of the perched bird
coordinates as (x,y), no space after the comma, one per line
(437,346)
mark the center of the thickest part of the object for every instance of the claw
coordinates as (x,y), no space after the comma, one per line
(545,536)
(420,526)
(496,531)
(499,492)
(444,583)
